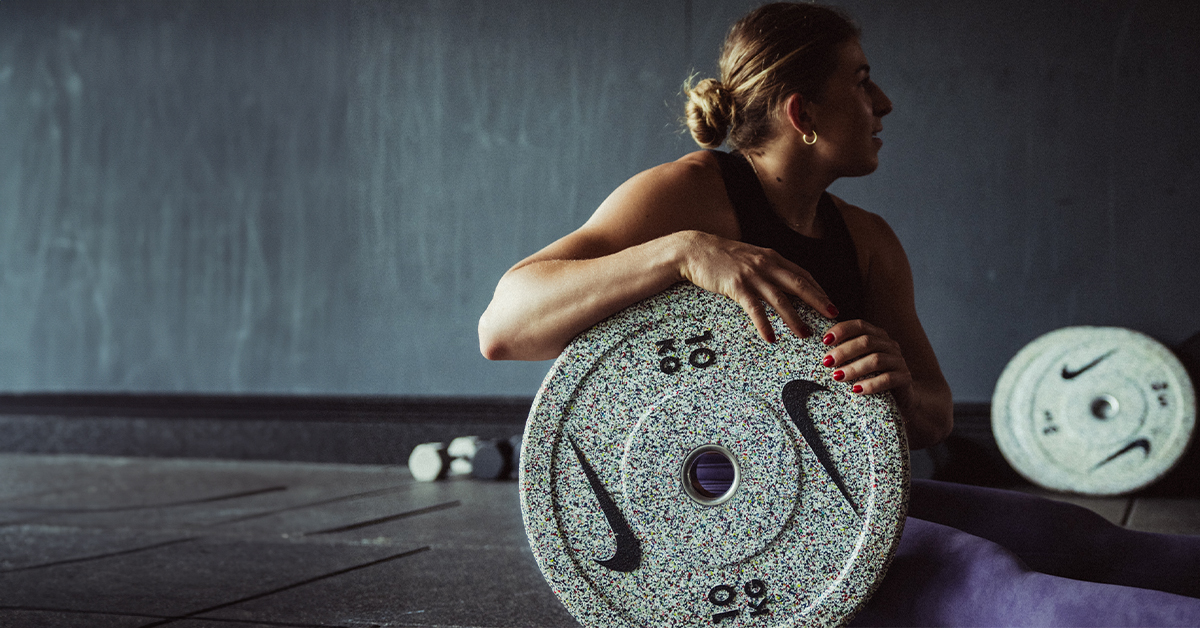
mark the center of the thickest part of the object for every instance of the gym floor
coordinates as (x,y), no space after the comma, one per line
(124,542)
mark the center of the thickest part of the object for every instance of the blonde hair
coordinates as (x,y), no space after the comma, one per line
(773,52)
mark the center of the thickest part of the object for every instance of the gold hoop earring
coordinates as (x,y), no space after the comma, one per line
(805,138)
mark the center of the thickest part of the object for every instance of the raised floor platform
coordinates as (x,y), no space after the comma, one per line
(126,542)
(301,428)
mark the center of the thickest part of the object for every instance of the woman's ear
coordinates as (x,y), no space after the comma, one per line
(795,109)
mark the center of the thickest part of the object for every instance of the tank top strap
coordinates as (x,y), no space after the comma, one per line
(746,193)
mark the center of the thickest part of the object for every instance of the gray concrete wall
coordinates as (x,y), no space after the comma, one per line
(318,197)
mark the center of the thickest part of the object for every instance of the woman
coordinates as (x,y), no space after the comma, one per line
(676,222)
(797,102)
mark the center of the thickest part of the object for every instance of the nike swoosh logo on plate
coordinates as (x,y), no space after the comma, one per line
(1141,442)
(1069,374)
(629,549)
(795,400)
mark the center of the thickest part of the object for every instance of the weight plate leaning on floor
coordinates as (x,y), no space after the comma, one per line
(677,470)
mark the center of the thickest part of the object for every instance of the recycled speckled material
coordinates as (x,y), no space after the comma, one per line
(640,391)
(1094,410)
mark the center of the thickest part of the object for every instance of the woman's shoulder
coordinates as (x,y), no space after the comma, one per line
(694,172)
(873,237)
(869,226)
(688,193)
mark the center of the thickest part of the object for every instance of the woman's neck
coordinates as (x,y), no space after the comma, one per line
(793,187)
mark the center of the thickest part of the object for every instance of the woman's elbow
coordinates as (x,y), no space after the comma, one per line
(943,428)
(934,427)
(508,342)
(492,343)
(491,351)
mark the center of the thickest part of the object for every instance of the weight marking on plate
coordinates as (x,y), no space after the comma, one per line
(701,357)
(629,549)
(755,589)
(795,400)
(1069,374)
(703,352)
(715,595)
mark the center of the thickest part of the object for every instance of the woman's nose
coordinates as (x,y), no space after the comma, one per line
(883,104)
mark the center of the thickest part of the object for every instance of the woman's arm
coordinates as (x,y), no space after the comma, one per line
(544,302)
(894,352)
(669,224)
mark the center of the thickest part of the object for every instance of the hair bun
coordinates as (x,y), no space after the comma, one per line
(776,50)
(709,112)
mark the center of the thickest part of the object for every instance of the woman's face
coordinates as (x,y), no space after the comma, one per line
(849,115)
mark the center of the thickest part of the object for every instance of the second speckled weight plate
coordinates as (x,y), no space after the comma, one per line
(1094,410)
(676,470)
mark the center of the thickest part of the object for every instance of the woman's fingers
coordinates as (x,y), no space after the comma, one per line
(781,302)
(865,357)
(754,303)
(757,313)
(881,382)
(780,283)
(854,338)
(755,278)
(868,366)
(799,282)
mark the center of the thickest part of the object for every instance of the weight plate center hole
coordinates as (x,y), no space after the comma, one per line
(710,475)
(1105,407)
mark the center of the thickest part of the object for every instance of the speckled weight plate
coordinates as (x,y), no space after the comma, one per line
(627,535)
(1093,410)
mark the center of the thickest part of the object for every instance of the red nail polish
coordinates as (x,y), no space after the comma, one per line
(839,376)
(857,388)
(833,311)
(828,339)
(828,361)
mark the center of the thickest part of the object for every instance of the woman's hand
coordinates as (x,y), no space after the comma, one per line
(865,357)
(753,277)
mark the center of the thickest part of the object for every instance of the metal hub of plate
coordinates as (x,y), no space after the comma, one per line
(1093,410)
(676,470)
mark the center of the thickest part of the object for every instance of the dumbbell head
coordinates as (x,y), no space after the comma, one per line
(493,460)
(463,447)
(429,462)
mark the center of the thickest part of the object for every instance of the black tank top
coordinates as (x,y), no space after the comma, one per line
(832,260)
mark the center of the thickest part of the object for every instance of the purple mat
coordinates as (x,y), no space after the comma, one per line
(974,556)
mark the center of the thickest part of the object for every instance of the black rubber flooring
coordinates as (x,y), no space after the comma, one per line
(127,542)
(124,542)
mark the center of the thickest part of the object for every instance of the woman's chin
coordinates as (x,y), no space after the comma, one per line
(862,169)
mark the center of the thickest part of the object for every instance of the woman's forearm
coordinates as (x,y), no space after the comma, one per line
(928,413)
(540,306)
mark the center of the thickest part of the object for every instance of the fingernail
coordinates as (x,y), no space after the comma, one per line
(805,332)
(857,388)
(833,311)
(839,376)
(828,361)
(828,339)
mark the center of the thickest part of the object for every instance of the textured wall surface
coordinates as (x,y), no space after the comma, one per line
(268,196)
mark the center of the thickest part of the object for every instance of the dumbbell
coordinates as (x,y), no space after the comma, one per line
(496,459)
(429,462)
(465,455)
(436,461)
